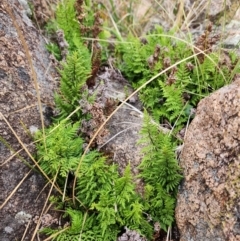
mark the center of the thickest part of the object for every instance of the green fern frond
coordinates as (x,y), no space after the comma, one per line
(160,172)
(160,205)
(63,149)
(74,75)
(183,76)
(134,215)
(173,100)
(66,20)
(94,177)
(124,188)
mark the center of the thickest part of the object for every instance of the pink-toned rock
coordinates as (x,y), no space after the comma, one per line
(208,206)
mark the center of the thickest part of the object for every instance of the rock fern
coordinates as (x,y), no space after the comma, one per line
(67,21)
(160,172)
(61,151)
(169,97)
(106,201)
(74,74)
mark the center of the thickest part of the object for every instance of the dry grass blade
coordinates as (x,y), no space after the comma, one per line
(168,234)
(45,186)
(26,229)
(110,116)
(120,132)
(11,157)
(178,118)
(27,151)
(39,220)
(33,73)
(167,10)
(192,13)
(180,14)
(115,26)
(14,190)
(16,153)
(56,234)
(23,109)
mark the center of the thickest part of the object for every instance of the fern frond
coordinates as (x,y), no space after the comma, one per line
(74,75)
(94,177)
(66,20)
(135,214)
(160,172)
(63,149)
(124,188)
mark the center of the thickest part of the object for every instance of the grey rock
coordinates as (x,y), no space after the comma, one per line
(232,39)
(19,110)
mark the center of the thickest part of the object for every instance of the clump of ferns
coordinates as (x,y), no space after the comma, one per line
(106,201)
(171,96)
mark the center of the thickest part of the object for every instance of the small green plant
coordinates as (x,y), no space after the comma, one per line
(55,50)
(74,75)
(66,20)
(106,201)
(160,172)
(62,151)
(171,95)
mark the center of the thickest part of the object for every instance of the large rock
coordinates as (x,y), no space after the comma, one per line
(208,206)
(19,113)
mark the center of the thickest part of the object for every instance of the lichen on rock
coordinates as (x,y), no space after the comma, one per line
(208,206)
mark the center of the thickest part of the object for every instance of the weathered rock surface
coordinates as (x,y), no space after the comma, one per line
(123,128)
(208,206)
(19,109)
